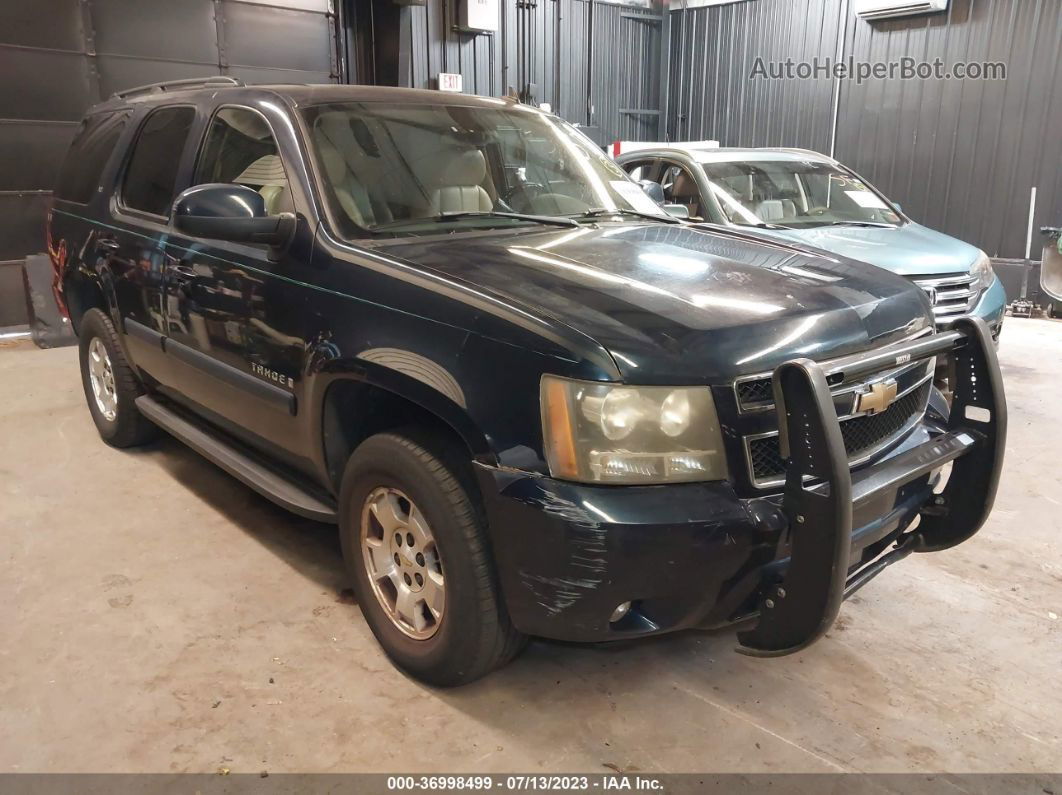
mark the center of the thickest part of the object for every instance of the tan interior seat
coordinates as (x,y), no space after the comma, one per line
(458,184)
(684,191)
(347,166)
(267,175)
(770,211)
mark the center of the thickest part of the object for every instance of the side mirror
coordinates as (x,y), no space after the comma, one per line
(677,210)
(224,211)
(653,190)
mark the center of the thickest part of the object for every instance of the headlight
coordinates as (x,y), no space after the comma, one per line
(611,433)
(982,272)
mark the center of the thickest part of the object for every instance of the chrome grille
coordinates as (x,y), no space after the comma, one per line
(950,295)
(863,435)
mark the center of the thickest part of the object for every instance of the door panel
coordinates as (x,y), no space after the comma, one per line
(136,259)
(234,318)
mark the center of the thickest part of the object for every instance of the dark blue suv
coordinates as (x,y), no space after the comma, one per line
(533,402)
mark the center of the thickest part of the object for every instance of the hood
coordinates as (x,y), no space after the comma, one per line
(909,250)
(676,304)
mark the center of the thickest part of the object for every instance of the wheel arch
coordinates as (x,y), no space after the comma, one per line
(81,294)
(369,399)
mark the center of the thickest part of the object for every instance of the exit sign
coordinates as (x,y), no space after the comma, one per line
(450,82)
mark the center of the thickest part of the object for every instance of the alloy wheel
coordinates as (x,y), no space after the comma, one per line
(101,376)
(402,562)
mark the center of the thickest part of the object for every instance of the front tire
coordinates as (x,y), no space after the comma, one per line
(414,541)
(111,386)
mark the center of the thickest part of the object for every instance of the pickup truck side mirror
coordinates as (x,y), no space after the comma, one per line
(225,211)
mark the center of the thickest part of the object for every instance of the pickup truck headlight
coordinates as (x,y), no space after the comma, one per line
(982,273)
(613,433)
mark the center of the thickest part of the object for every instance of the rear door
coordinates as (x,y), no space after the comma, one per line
(135,244)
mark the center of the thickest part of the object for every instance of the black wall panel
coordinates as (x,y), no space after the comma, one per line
(32,145)
(713,53)
(962,156)
(40,84)
(255,34)
(182,31)
(588,60)
(959,155)
(24,24)
(58,57)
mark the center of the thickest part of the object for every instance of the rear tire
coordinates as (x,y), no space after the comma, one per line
(111,387)
(403,487)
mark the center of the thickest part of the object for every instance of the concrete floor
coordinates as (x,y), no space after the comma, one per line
(159,616)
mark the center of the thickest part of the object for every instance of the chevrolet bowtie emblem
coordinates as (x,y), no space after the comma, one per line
(878,398)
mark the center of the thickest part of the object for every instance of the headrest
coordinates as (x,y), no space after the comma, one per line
(462,168)
(770,211)
(331,158)
(683,185)
(266,170)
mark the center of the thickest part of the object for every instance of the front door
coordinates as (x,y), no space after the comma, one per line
(234,322)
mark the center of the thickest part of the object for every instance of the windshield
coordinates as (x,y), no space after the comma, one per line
(799,194)
(422,169)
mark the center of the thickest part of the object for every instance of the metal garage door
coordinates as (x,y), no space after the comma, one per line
(58,57)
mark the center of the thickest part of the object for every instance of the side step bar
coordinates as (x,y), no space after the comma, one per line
(240,465)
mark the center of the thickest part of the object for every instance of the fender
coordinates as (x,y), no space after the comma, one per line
(405,375)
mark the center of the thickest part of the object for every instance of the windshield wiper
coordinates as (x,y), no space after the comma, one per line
(595,212)
(458,215)
(873,224)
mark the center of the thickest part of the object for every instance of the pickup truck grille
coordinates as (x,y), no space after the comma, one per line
(951,296)
(863,435)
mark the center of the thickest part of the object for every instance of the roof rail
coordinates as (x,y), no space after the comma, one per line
(170,85)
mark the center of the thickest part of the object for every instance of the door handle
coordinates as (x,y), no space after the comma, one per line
(107,245)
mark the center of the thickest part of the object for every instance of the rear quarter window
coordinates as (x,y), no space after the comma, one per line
(151,177)
(79,177)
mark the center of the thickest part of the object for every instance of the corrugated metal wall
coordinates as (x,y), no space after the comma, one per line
(713,52)
(547,44)
(960,156)
(58,57)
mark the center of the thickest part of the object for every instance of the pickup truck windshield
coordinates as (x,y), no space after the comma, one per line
(423,169)
(799,194)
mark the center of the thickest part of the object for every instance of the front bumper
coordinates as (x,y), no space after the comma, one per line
(698,555)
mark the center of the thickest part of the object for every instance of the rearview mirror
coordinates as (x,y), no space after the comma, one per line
(224,211)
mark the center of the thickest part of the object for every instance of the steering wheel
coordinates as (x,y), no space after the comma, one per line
(817,211)
(521,195)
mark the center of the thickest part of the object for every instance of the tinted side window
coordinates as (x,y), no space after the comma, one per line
(151,177)
(240,148)
(88,154)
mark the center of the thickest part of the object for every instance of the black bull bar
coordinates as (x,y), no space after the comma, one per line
(821,490)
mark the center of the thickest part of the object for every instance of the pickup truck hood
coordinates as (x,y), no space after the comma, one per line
(909,250)
(677,304)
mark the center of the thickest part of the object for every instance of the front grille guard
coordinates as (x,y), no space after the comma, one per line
(796,611)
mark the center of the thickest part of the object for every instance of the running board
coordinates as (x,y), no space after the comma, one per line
(240,465)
